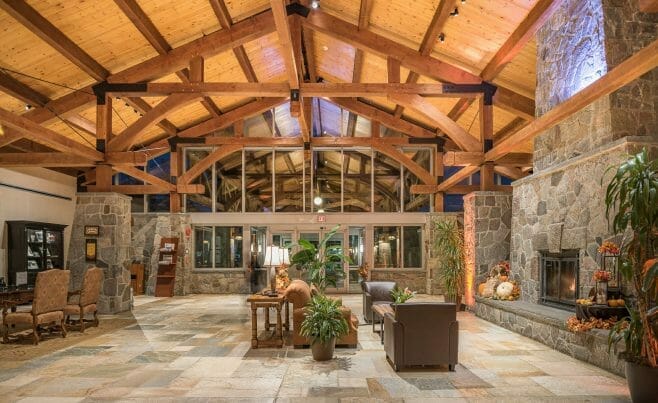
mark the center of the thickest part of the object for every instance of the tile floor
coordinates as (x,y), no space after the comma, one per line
(197,348)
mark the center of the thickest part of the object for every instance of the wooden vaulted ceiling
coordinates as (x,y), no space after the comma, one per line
(50,48)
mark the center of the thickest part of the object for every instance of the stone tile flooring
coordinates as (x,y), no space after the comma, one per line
(197,349)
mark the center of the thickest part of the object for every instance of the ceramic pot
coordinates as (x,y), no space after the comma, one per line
(641,382)
(323,351)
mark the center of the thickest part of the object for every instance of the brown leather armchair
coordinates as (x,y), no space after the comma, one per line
(84,300)
(422,333)
(50,292)
(376,292)
(299,293)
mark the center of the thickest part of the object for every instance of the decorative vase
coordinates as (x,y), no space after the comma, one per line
(602,292)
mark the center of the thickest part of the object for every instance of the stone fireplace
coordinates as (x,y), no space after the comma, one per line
(559,275)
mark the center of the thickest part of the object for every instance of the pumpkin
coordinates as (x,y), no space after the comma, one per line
(505,289)
(481,288)
(612,303)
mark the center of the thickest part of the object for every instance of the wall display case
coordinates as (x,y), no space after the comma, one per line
(164,284)
(33,247)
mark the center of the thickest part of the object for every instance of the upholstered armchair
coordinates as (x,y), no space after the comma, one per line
(84,300)
(50,291)
(422,333)
(299,294)
(374,293)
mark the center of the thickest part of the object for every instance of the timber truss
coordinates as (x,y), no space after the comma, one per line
(117,152)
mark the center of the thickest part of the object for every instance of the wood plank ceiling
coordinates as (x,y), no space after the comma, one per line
(52,53)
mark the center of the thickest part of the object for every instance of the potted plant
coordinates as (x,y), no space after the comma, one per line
(632,203)
(323,264)
(400,296)
(449,244)
(323,324)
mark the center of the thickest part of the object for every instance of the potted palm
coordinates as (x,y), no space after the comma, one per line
(632,207)
(324,321)
(323,324)
(449,245)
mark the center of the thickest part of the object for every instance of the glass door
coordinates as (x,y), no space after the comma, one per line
(357,240)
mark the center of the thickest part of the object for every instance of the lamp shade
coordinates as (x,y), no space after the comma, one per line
(273,256)
(286,256)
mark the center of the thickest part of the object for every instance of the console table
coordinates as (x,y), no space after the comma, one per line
(16,296)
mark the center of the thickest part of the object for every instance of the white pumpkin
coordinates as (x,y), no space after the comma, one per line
(505,289)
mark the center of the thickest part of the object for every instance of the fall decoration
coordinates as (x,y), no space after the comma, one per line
(608,248)
(363,271)
(401,296)
(576,325)
(602,275)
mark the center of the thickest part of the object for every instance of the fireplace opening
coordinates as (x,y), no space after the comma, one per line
(559,278)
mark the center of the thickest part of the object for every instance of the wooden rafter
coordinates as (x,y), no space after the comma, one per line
(537,16)
(126,139)
(364,21)
(47,137)
(144,107)
(8,136)
(397,155)
(440,17)
(146,177)
(648,6)
(285,41)
(143,23)
(47,160)
(460,136)
(41,27)
(630,69)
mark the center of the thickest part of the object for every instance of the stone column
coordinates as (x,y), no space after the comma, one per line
(487,230)
(111,212)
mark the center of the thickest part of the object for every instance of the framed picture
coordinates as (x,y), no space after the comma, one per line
(90,250)
(92,230)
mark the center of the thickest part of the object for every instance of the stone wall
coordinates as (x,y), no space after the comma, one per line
(414,279)
(487,231)
(560,209)
(147,231)
(111,212)
(579,43)
(548,326)
(218,282)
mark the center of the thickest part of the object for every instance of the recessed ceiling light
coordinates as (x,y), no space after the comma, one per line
(28,107)
(315,4)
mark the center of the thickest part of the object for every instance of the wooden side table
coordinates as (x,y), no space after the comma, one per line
(381,310)
(267,302)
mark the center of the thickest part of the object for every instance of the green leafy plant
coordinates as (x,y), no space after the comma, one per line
(632,202)
(449,244)
(324,320)
(400,296)
(323,264)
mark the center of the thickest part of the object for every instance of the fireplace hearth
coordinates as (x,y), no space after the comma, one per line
(559,279)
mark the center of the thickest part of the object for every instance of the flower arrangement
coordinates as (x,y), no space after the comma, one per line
(608,248)
(401,296)
(282,278)
(501,268)
(602,276)
(363,271)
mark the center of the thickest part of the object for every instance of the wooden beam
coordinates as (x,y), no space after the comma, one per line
(648,6)
(407,162)
(104,121)
(47,137)
(383,47)
(144,107)
(510,172)
(462,158)
(460,136)
(146,177)
(103,178)
(136,158)
(47,32)
(198,168)
(383,117)
(630,69)
(190,188)
(515,103)
(128,189)
(130,135)
(457,177)
(8,136)
(487,177)
(457,189)
(285,41)
(364,21)
(439,171)
(197,70)
(515,125)
(46,160)
(516,159)
(228,118)
(524,32)
(393,68)
(20,91)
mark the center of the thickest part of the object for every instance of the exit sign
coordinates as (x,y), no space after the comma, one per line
(322,218)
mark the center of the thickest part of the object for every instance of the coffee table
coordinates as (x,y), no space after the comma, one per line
(265,301)
(380,310)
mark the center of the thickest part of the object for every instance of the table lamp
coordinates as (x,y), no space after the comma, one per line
(273,258)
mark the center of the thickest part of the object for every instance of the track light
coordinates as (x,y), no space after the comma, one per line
(455,13)
(442,37)
(28,107)
(315,4)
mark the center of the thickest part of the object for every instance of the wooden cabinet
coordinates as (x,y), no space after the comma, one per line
(33,247)
(137,278)
(164,284)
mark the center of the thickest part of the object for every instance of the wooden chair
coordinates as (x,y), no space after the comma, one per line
(50,292)
(84,300)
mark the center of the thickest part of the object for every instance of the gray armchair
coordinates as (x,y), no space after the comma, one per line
(422,334)
(376,292)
